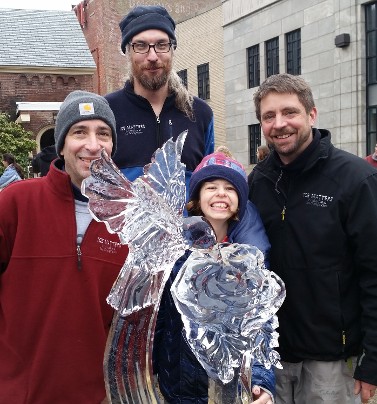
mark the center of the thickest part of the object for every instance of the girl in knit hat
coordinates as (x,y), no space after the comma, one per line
(218,191)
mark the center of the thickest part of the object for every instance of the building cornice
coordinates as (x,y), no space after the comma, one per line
(48,70)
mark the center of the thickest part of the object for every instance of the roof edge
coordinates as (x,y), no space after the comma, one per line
(79,71)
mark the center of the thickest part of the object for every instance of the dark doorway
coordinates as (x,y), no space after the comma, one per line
(47,139)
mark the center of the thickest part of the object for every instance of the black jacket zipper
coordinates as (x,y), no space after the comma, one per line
(159,137)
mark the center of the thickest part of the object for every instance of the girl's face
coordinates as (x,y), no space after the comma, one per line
(218,200)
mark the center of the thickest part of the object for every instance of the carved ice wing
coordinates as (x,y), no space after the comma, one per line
(110,193)
(128,207)
(164,173)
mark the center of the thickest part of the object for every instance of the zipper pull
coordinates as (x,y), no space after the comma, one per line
(170,129)
(283,214)
(343,340)
(158,119)
(78,250)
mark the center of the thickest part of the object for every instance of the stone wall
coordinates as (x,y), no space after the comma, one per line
(336,75)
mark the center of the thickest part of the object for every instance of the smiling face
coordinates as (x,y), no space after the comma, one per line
(286,125)
(218,201)
(150,70)
(82,145)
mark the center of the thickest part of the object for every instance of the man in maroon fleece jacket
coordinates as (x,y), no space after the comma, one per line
(57,266)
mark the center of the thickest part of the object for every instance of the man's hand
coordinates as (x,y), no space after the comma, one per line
(366,390)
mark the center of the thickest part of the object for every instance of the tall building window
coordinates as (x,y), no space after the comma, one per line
(183,76)
(372,129)
(254,142)
(253,66)
(371,74)
(293,49)
(272,56)
(203,81)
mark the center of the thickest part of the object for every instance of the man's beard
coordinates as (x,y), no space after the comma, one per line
(301,139)
(154,83)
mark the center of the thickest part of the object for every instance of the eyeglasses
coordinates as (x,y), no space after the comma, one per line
(143,47)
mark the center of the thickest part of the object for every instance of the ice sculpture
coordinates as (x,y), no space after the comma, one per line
(147,214)
(228,300)
(226,327)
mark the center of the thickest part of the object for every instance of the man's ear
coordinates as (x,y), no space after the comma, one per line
(313,116)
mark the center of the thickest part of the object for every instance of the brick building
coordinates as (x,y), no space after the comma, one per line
(43,57)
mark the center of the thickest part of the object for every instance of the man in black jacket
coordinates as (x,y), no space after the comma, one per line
(319,207)
(154,105)
(41,162)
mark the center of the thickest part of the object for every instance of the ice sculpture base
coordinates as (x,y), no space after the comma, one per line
(220,393)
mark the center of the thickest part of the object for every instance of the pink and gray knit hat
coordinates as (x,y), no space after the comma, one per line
(218,165)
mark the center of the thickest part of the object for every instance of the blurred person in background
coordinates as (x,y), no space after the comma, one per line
(13,171)
(372,158)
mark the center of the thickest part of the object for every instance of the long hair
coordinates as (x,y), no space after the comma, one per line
(9,158)
(184,100)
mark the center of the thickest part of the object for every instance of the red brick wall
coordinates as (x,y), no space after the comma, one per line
(39,120)
(26,87)
(15,87)
(103,37)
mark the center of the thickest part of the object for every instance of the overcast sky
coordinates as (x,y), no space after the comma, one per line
(39,4)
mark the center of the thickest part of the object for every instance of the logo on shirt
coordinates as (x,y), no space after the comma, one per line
(133,130)
(321,201)
(108,246)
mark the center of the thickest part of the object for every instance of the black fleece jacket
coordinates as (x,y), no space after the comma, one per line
(320,214)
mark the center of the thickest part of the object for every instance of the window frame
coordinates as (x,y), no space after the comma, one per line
(293,52)
(255,137)
(203,81)
(272,56)
(183,76)
(371,75)
(253,66)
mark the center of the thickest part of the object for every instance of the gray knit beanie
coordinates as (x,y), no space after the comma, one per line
(82,106)
(142,18)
